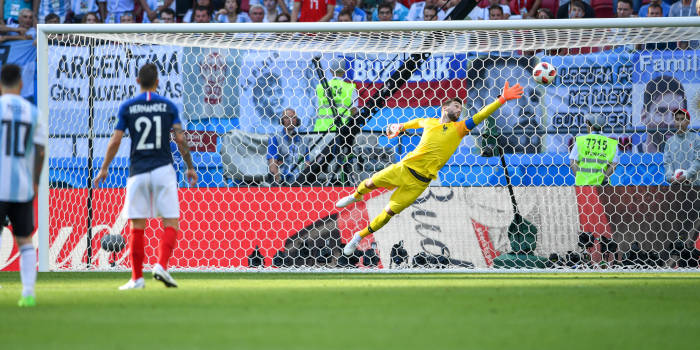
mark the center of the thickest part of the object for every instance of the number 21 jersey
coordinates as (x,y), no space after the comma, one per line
(149,118)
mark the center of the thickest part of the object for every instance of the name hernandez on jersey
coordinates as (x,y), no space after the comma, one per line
(149,119)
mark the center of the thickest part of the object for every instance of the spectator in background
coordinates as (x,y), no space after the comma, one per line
(345,16)
(519,8)
(682,152)
(78,10)
(496,13)
(624,9)
(594,156)
(484,12)
(416,12)
(127,18)
(151,8)
(644,10)
(563,11)
(9,11)
(25,29)
(430,13)
(385,12)
(12,33)
(272,9)
(662,95)
(697,8)
(287,152)
(111,10)
(683,8)
(313,10)
(351,6)
(231,13)
(449,6)
(282,17)
(399,11)
(52,18)
(256,14)
(544,13)
(189,15)
(91,18)
(166,15)
(202,15)
(576,9)
(57,7)
(654,10)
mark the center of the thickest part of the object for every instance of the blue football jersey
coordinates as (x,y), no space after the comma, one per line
(149,118)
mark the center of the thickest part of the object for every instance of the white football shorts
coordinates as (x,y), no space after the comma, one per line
(153,194)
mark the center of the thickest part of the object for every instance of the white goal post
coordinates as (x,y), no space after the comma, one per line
(604,67)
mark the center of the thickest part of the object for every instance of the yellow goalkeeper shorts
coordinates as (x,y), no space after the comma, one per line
(407,184)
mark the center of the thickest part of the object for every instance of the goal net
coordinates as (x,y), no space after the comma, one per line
(268,183)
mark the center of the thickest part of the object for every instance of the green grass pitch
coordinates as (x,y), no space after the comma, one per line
(356,311)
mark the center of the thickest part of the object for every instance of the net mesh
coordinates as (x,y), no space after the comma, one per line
(410,41)
(266,198)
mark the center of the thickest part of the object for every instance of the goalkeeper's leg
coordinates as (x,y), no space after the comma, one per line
(365,187)
(403,197)
(386,178)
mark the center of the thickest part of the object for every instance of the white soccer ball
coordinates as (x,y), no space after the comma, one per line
(544,73)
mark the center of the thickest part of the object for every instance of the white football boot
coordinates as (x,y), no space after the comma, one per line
(352,245)
(160,274)
(347,200)
(137,284)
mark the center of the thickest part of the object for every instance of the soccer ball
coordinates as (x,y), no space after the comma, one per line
(544,73)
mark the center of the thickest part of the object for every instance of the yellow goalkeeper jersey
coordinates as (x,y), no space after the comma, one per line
(440,141)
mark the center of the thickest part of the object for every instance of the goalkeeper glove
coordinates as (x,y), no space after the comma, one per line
(393,130)
(510,93)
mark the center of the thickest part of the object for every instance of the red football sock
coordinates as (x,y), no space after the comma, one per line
(137,254)
(166,246)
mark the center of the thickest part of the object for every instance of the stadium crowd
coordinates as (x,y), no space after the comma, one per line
(18,17)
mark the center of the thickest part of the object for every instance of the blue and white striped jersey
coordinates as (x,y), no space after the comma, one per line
(20,130)
(59,7)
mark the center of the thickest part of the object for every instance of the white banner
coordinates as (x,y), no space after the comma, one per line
(446,217)
(114,81)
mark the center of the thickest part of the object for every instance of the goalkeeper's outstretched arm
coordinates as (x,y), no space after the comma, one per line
(509,93)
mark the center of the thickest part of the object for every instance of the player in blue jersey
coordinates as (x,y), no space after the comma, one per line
(22,139)
(151,190)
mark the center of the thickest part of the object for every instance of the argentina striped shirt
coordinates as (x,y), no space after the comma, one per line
(20,130)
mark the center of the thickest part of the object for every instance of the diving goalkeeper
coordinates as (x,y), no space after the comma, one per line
(414,172)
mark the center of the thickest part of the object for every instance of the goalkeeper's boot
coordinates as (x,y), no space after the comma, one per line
(352,245)
(134,284)
(27,301)
(160,274)
(347,200)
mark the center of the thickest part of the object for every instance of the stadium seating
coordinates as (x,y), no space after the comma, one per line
(603,8)
(553,5)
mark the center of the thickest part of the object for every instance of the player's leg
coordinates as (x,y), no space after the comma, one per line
(407,192)
(138,208)
(137,230)
(166,245)
(167,206)
(380,179)
(21,217)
